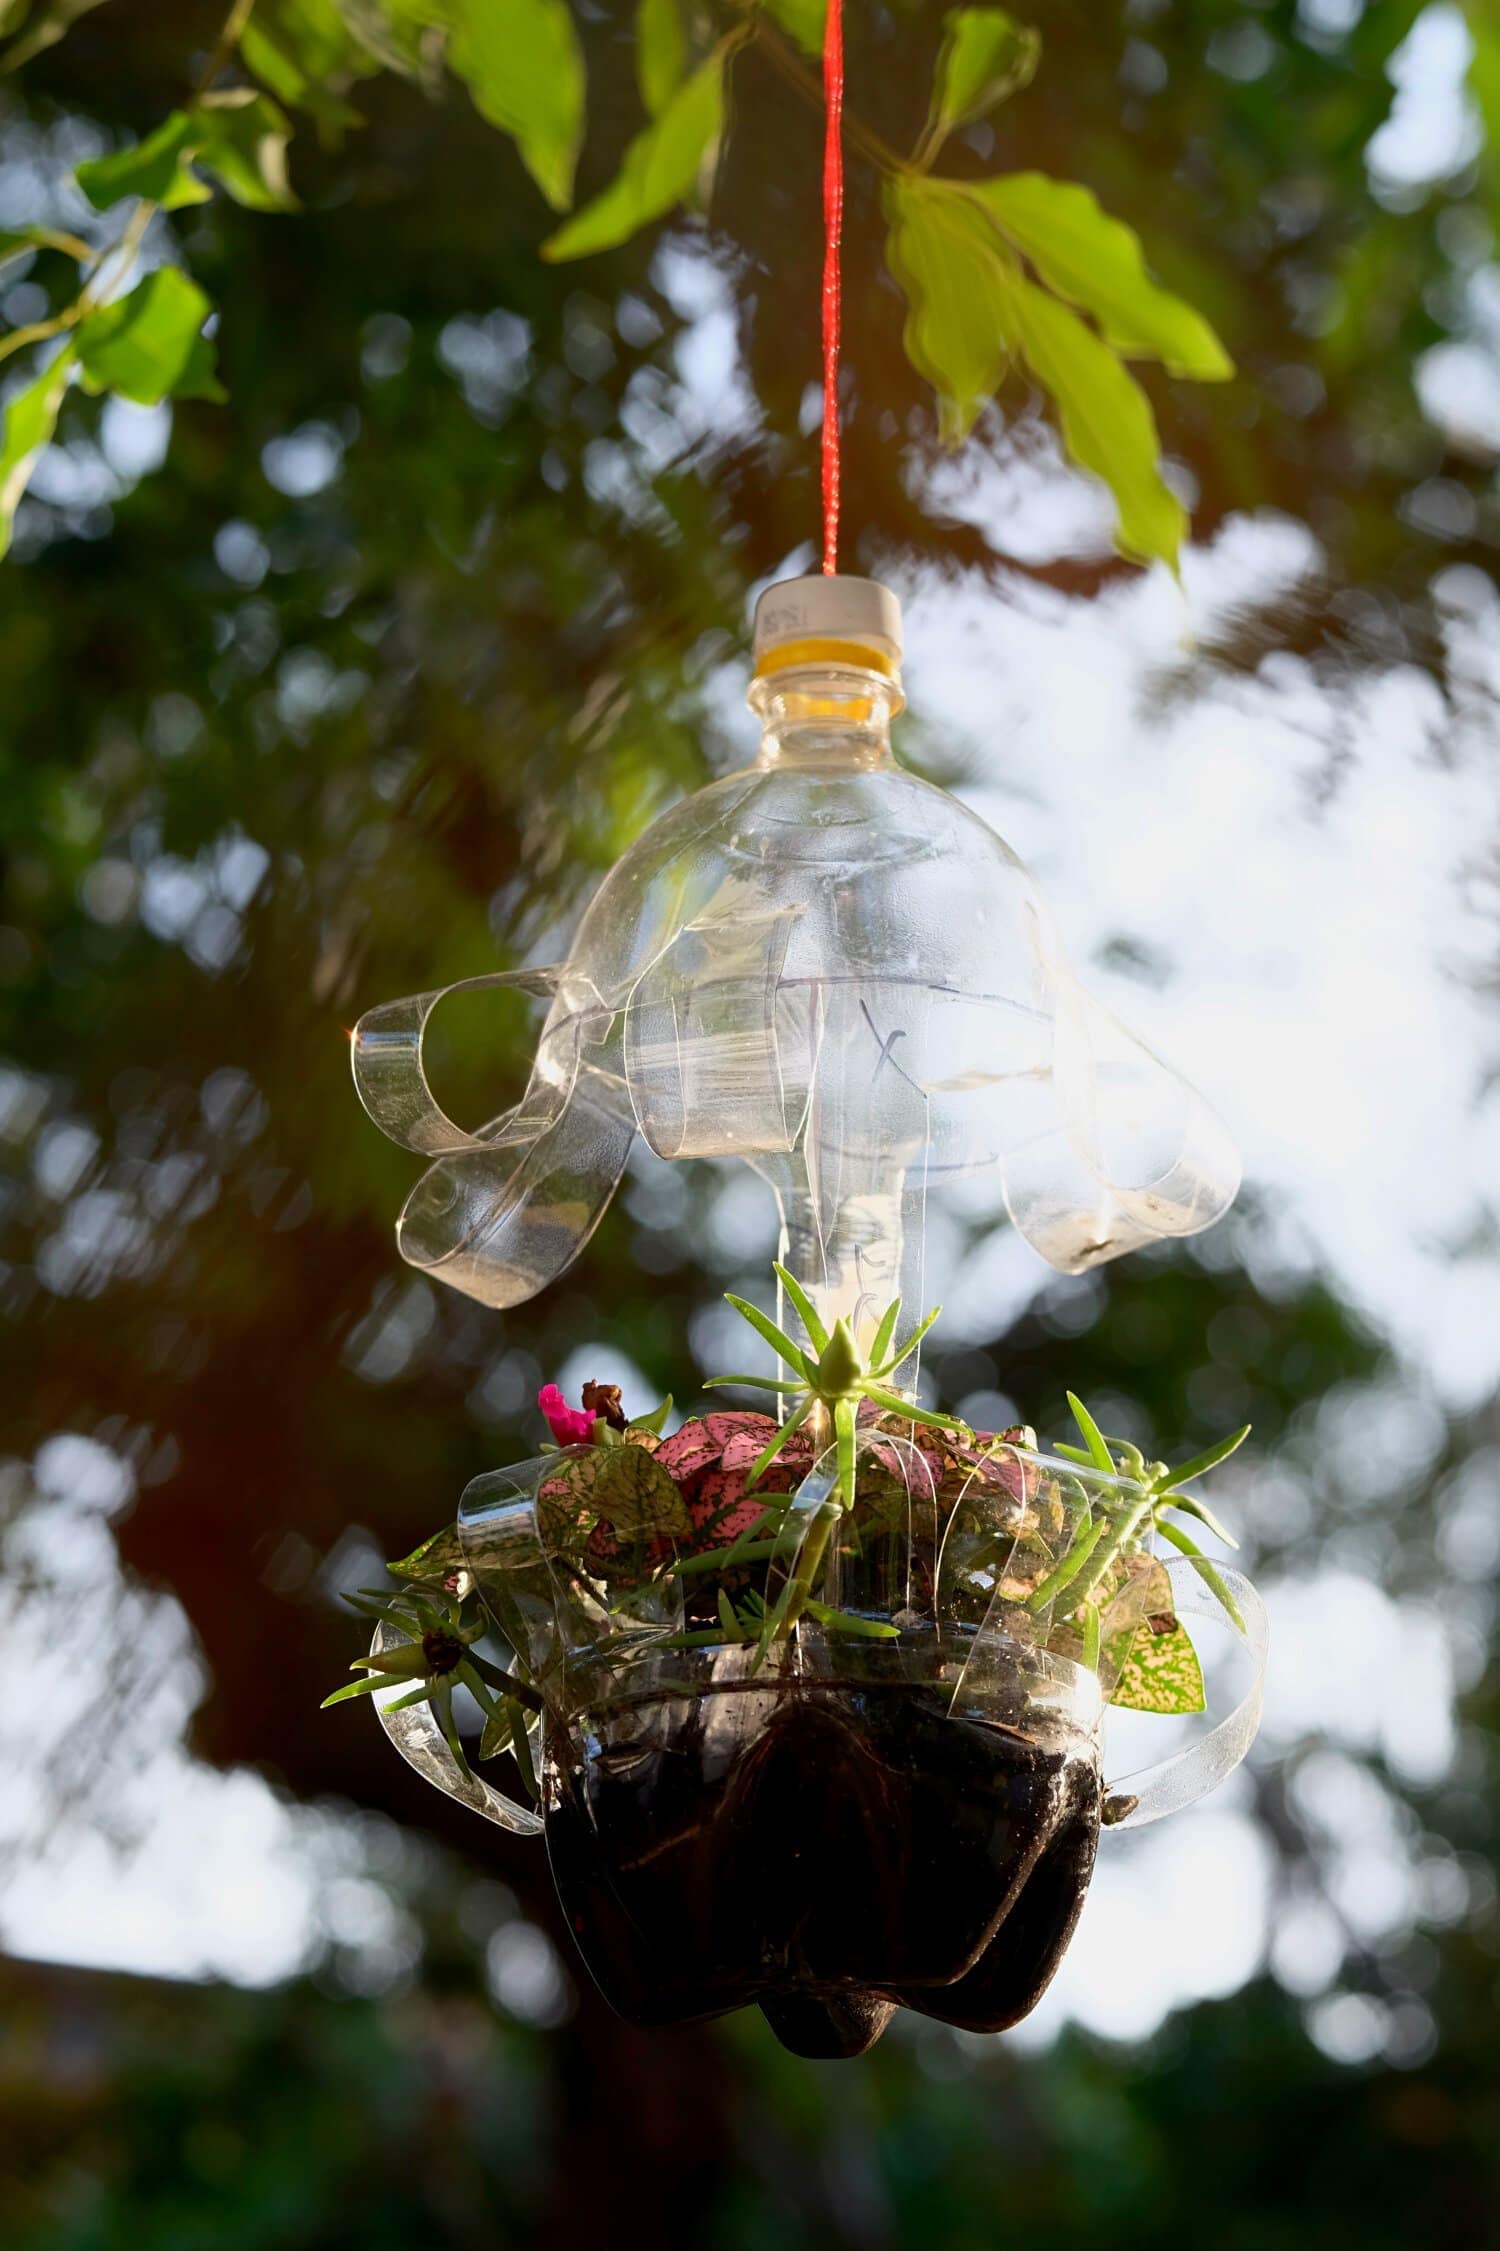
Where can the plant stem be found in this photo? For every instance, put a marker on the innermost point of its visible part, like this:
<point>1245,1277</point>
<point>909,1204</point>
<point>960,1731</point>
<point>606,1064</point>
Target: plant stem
<point>1106,1551</point>
<point>784,58</point>
<point>1188,1546</point>
<point>231,32</point>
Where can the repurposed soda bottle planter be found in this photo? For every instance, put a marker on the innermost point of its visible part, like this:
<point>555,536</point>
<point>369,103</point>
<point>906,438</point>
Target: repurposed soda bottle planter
<point>811,1708</point>
<point>811,1712</point>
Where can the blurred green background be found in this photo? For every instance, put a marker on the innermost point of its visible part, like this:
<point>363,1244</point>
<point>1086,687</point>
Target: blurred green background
<point>355,686</point>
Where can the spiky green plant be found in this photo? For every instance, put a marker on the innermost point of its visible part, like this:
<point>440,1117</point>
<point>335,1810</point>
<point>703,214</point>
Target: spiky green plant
<point>439,1618</point>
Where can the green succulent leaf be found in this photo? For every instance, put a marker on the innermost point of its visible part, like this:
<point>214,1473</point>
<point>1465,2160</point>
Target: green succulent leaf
<point>150,345</point>
<point>656,1421</point>
<point>1097,263</point>
<point>660,166</point>
<point>1161,1674</point>
<point>1093,1438</point>
<point>884,1337</point>
<point>366,1687</point>
<point>520,1743</point>
<point>1190,1505</point>
<point>26,426</point>
<point>660,52</point>
<point>912,1341</point>
<point>807,1313</point>
<point>781,1344</point>
<point>755,1383</point>
<point>850,1622</point>
<point>523,65</point>
<point>768,1453</point>
<point>986,57</point>
<point>1209,1459</point>
<point>1186,1545</point>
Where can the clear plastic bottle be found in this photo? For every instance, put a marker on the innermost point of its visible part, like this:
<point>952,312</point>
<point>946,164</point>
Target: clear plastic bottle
<point>835,971</point>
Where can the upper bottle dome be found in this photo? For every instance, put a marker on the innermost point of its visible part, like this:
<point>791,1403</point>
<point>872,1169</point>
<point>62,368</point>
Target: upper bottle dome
<point>832,969</point>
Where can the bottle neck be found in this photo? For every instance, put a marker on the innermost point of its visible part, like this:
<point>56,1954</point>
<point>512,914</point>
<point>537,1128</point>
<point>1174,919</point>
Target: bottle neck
<point>829,717</point>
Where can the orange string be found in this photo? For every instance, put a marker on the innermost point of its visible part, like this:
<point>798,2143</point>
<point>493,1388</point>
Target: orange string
<point>833,230</point>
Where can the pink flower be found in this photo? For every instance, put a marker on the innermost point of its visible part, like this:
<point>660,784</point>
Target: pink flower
<point>570,1426</point>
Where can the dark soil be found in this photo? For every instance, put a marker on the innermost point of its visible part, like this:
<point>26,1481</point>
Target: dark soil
<point>827,1848</point>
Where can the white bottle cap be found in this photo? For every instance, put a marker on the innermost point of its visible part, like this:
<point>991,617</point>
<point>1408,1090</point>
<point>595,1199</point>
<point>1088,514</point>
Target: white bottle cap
<point>812,620</point>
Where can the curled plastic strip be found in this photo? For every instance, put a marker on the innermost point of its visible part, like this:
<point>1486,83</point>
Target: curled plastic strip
<point>1130,1152</point>
<point>501,1213</point>
<point>419,1739</point>
<point>550,1612</point>
<point>1201,1590</point>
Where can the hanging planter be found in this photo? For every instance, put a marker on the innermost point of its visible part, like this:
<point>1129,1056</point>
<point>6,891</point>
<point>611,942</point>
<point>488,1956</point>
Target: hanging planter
<point>812,1712</point>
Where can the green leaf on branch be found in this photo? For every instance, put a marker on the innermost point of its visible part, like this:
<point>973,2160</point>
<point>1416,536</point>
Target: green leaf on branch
<point>660,167</point>
<point>26,426</point>
<point>970,307</point>
<point>948,261</point>
<point>804,20</point>
<point>986,57</point>
<point>240,136</point>
<point>150,345</point>
<point>156,168</point>
<point>522,63</point>
<point>660,52</point>
<point>1097,263</point>
<point>308,53</point>
<point>1106,418</point>
<point>1161,1674</point>
<point>53,21</point>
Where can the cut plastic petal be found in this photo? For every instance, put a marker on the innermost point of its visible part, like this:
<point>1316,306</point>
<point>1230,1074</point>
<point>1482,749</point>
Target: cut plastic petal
<point>390,1076</point>
<point>1130,1153</point>
<point>1200,1767</point>
<point>417,1736</point>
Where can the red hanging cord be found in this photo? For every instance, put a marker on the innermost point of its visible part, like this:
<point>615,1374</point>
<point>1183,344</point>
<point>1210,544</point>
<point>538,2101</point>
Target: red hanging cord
<point>833,230</point>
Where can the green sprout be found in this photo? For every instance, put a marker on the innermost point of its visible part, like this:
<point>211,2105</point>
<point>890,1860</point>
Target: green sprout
<point>831,1378</point>
<point>1100,1543</point>
<point>439,1621</point>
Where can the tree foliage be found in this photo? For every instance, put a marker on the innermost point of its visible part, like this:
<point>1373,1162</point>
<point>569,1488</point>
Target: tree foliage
<point>959,249</point>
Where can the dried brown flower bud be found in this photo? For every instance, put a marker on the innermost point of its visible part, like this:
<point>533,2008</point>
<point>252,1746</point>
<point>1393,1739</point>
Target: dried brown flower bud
<point>602,1400</point>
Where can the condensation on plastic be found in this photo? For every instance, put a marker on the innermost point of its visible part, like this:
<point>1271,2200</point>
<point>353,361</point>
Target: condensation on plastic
<point>838,973</point>
<point>419,1739</point>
